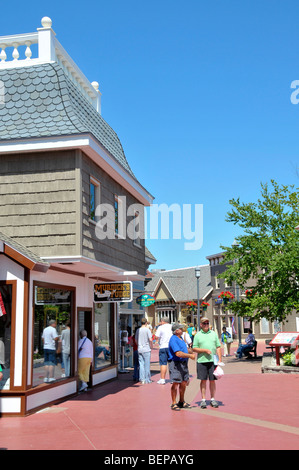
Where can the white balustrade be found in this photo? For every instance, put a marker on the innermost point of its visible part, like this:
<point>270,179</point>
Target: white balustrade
<point>49,50</point>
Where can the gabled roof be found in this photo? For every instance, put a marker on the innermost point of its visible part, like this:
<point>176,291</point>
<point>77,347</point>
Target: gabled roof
<point>21,254</point>
<point>182,283</point>
<point>41,101</point>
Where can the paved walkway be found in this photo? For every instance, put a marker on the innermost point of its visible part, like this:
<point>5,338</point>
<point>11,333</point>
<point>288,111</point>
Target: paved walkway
<point>257,411</point>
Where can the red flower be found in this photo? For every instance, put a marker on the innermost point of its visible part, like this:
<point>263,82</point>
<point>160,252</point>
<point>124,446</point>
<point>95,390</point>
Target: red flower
<point>226,295</point>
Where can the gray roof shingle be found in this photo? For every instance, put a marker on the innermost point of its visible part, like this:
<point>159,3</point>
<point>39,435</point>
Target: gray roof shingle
<point>182,283</point>
<point>23,250</point>
<point>41,101</point>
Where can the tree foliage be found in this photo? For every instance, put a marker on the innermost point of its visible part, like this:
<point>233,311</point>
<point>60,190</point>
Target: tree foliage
<point>267,254</point>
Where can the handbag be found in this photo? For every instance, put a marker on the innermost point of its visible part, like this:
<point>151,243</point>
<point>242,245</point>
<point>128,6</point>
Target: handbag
<point>229,340</point>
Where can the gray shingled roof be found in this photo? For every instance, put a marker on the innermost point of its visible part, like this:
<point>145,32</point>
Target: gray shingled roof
<point>182,283</point>
<point>41,101</point>
<point>23,250</point>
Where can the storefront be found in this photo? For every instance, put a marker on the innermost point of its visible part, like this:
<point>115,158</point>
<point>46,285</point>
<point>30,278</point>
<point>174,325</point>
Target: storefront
<point>33,293</point>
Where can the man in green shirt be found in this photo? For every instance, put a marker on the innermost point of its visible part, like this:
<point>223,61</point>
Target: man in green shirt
<point>206,343</point>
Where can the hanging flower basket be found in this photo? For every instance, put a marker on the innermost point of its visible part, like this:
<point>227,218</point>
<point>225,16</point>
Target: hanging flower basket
<point>191,305</point>
<point>205,305</point>
<point>226,296</point>
<point>249,293</point>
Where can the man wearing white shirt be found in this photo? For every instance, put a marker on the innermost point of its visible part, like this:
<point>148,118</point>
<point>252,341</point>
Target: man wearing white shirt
<point>163,333</point>
<point>49,337</point>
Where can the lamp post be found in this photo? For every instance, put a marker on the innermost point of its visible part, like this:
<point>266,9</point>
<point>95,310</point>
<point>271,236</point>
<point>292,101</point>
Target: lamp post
<point>197,275</point>
<point>236,244</point>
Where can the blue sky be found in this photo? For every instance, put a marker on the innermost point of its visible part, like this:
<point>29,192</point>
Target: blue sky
<point>198,93</point>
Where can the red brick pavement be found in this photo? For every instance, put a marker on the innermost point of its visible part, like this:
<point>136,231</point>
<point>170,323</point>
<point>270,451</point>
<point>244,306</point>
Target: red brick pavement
<point>256,411</point>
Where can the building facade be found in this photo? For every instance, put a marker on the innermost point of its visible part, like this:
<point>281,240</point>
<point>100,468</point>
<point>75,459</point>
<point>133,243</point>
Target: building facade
<point>263,329</point>
<point>174,290</point>
<point>71,213</point>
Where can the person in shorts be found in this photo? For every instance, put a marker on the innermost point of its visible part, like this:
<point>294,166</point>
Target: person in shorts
<point>163,333</point>
<point>50,337</point>
<point>178,367</point>
<point>206,343</point>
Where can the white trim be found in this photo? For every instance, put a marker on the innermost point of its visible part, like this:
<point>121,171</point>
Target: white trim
<point>92,268</point>
<point>89,145</point>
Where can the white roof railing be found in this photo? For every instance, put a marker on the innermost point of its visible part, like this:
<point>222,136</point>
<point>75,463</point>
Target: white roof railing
<point>49,50</point>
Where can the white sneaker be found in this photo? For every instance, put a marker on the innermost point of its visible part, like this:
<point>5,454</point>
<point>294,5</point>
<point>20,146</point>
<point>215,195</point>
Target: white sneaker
<point>83,387</point>
<point>51,379</point>
<point>46,379</point>
<point>161,382</point>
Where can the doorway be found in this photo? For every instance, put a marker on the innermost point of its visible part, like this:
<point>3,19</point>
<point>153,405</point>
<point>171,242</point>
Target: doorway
<point>85,323</point>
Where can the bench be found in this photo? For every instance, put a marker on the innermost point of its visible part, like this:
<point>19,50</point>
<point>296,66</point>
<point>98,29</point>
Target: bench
<point>267,341</point>
<point>252,350</point>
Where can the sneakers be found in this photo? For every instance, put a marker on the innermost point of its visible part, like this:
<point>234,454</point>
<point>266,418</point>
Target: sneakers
<point>83,387</point>
<point>161,382</point>
<point>214,403</point>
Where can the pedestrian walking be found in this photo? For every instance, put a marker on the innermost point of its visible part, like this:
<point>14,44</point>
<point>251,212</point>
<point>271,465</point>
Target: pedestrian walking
<point>85,355</point>
<point>178,367</point>
<point>144,340</point>
<point>163,333</point>
<point>206,344</point>
<point>226,340</point>
<point>66,348</point>
<point>49,338</point>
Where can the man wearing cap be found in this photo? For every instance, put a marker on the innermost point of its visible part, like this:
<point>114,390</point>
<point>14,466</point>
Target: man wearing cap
<point>206,343</point>
<point>163,333</point>
<point>178,367</point>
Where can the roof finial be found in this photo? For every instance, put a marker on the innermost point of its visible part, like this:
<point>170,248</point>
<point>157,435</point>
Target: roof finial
<point>46,22</point>
<point>95,85</point>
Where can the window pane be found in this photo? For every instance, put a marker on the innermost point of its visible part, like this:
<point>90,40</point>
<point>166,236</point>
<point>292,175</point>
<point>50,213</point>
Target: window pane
<point>52,357</point>
<point>102,335</point>
<point>265,326</point>
<point>92,208</point>
<point>116,214</point>
<point>5,335</point>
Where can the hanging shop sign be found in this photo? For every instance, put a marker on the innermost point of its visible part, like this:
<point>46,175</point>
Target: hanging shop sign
<point>113,292</point>
<point>145,300</point>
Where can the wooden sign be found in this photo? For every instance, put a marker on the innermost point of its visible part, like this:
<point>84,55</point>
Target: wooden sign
<point>113,292</point>
<point>145,300</point>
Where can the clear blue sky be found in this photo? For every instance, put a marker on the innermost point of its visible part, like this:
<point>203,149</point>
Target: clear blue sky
<point>198,93</point>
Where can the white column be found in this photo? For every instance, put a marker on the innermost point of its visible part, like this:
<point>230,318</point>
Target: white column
<point>46,41</point>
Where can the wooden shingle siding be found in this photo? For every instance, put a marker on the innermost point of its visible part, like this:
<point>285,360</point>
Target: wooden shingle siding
<point>116,252</point>
<point>38,201</point>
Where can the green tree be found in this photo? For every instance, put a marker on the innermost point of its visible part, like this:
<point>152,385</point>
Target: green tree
<point>268,252</point>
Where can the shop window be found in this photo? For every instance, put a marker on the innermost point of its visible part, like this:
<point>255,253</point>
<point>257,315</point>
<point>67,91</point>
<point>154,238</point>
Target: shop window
<point>247,324</point>
<point>264,326</point>
<point>53,352</point>
<point>94,198</point>
<point>5,333</point>
<point>102,335</point>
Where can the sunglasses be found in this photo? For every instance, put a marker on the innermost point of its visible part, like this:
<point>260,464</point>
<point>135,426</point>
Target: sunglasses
<point>206,323</point>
